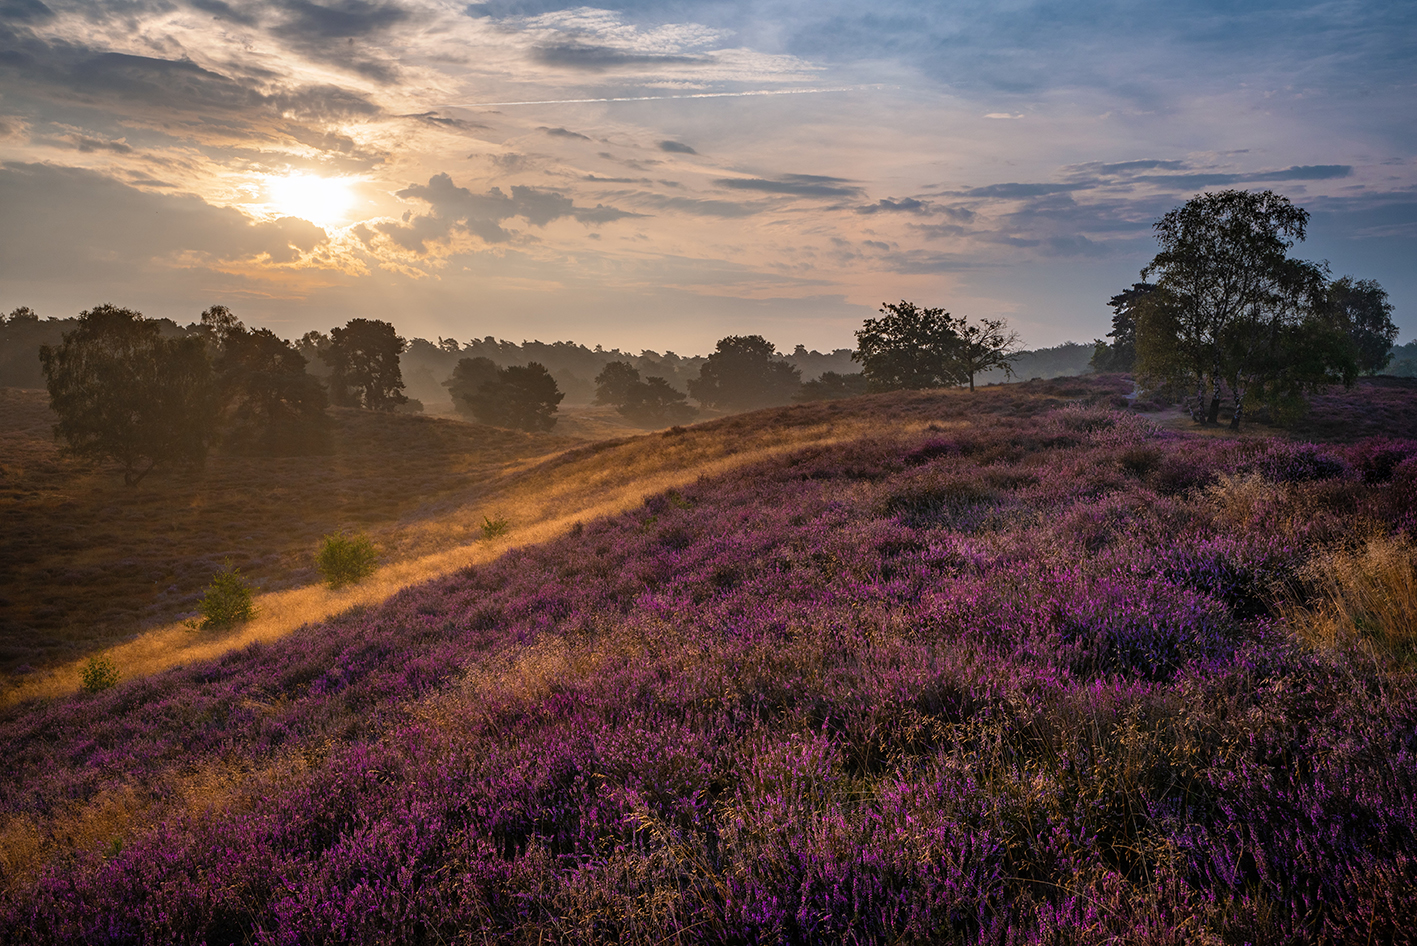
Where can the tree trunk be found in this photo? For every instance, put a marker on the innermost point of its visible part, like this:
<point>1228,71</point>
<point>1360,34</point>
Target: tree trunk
<point>971,381</point>
<point>130,480</point>
<point>1239,408</point>
<point>1212,416</point>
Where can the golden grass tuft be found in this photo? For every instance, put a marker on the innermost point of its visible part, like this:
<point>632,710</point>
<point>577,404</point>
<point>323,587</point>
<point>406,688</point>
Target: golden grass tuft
<point>1365,598</point>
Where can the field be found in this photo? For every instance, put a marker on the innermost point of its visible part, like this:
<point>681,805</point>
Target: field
<point>1018,667</point>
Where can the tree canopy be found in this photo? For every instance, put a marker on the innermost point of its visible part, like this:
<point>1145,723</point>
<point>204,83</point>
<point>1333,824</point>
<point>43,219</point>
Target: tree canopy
<point>270,404</point>
<point>364,365</point>
<point>520,397</point>
<point>743,373</point>
<point>122,392</point>
<point>1121,354</point>
<point>469,375</point>
<point>1360,308</point>
<point>1232,311</point>
<point>908,347</point>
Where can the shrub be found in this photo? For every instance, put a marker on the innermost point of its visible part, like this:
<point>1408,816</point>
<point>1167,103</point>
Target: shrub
<point>494,528</point>
<point>345,559</point>
<point>227,600</point>
<point>98,674</point>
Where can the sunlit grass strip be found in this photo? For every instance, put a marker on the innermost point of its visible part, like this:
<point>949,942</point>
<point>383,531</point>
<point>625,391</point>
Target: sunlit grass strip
<point>543,510</point>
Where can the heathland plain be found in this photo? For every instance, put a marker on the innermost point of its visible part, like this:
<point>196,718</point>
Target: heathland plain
<point>1017,666</point>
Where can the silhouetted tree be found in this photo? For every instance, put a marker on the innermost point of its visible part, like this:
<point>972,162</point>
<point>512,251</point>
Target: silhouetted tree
<point>270,404</point>
<point>524,398</point>
<point>122,392</point>
<point>364,365</point>
<point>742,374</point>
<point>1121,355</point>
<point>832,385</point>
<point>653,402</point>
<point>614,381</point>
<point>908,348</point>
<point>1231,293</point>
<point>988,343</point>
<point>469,375</point>
<point>1360,308</point>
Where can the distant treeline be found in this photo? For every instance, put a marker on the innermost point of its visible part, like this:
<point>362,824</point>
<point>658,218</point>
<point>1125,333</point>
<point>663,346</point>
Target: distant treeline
<point>427,364</point>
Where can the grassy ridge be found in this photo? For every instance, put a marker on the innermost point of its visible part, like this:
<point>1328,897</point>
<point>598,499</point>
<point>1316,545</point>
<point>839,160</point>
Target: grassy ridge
<point>1033,674</point>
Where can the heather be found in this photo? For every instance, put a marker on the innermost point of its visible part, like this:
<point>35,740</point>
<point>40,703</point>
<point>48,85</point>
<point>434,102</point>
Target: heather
<point>1044,675</point>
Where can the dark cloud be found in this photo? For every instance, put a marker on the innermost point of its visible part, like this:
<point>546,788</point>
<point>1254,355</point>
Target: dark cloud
<point>591,58</point>
<point>457,209</point>
<point>1075,245</point>
<point>1312,172</point>
<point>341,19</point>
<point>726,209</point>
<point>440,121</point>
<point>616,180</point>
<point>905,205</point>
<point>224,11</point>
<point>676,147</point>
<point>1010,191</point>
<point>87,145</point>
<point>563,133</point>
<point>797,185</point>
<point>110,231</point>
<point>24,11</point>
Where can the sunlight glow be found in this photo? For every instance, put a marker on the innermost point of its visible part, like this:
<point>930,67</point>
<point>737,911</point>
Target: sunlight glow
<point>323,201</point>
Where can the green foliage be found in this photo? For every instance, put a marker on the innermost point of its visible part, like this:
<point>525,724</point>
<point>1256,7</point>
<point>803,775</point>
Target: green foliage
<point>1121,354</point>
<point>1232,310</point>
<point>831,386</point>
<point>988,343</point>
<point>346,559</point>
<point>98,673</point>
<point>271,406</point>
<point>909,347</point>
<point>522,398</point>
<point>744,373</point>
<point>364,365</point>
<point>614,382</point>
<point>1360,308</point>
<point>469,376</point>
<point>227,600</point>
<point>494,528</point>
<point>123,392</point>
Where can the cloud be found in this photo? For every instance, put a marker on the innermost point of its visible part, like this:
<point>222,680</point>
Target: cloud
<point>112,231</point>
<point>905,205</point>
<point>1314,172</point>
<point>676,147</point>
<point>458,210</point>
<point>563,133</point>
<point>796,185</point>
<point>726,209</point>
<point>1014,190</point>
<point>589,58</point>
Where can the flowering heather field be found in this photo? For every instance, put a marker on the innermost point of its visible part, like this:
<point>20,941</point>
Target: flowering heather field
<point>1060,678</point>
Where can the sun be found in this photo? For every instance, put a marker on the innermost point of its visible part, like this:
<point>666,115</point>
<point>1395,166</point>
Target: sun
<point>323,201</point>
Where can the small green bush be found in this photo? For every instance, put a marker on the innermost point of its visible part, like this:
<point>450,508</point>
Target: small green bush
<point>494,528</point>
<point>345,559</point>
<point>227,600</point>
<point>98,674</point>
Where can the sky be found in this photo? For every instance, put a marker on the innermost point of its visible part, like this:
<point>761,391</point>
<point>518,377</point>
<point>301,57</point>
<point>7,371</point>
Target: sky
<point>657,175</point>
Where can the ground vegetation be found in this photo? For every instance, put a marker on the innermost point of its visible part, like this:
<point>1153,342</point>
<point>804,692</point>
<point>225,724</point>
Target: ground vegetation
<point>993,668</point>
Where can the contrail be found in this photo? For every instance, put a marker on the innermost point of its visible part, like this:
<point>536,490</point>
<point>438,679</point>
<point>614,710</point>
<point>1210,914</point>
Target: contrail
<point>654,98</point>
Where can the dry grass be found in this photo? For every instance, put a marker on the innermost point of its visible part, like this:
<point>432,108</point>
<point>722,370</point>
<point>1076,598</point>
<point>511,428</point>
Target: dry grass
<point>1365,598</point>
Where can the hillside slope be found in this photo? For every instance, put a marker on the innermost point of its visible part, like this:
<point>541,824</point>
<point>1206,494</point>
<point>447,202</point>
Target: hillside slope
<point>1044,673</point>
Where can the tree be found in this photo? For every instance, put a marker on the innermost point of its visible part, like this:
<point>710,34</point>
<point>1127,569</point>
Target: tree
<point>831,385</point>
<point>270,404</point>
<point>984,345</point>
<point>614,381</point>
<point>1230,295</point>
<point>124,393</point>
<point>1121,355</point>
<point>653,402</point>
<point>469,375</point>
<point>742,374</point>
<point>364,365</point>
<point>908,348</point>
<point>1360,308</point>
<point>524,398</point>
